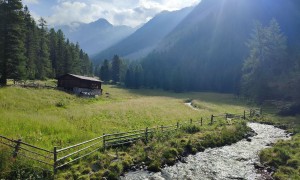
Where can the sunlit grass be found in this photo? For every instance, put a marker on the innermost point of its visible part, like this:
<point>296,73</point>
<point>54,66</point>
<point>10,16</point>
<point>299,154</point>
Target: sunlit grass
<point>48,118</point>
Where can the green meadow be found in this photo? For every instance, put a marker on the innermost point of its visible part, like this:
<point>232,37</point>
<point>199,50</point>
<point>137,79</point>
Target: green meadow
<point>48,118</point>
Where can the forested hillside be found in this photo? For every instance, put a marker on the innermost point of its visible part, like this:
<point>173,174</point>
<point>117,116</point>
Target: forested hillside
<point>29,50</point>
<point>207,50</point>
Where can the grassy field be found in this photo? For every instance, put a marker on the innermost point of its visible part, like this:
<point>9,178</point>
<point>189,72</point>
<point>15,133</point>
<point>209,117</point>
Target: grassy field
<point>50,118</point>
<point>47,118</point>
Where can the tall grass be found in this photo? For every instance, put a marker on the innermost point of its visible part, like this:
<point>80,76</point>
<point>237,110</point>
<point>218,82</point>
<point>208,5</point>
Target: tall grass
<point>46,117</point>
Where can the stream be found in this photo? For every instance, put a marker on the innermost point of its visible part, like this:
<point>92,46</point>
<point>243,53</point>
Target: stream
<point>235,161</point>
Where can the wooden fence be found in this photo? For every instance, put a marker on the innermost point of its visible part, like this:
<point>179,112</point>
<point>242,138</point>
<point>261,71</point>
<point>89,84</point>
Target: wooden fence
<point>28,151</point>
<point>58,158</point>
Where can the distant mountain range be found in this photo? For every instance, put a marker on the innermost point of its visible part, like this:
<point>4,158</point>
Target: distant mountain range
<point>96,36</point>
<point>145,39</point>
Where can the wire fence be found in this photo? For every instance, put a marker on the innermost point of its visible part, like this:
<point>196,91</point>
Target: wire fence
<point>56,159</point>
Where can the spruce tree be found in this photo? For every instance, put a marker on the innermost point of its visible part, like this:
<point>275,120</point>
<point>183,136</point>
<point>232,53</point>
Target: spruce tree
<point>264,64</point>
<point>53,50</point>
<point>60,54</point>
<point>31,44</point>
<point>138,76</point>
<point>116,69</point>
<point>43,63</point>
<point>105,71</point>
<point>12,41</point>
<point>128,78</point>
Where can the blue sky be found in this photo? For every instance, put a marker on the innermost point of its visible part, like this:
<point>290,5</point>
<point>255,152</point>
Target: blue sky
<point>117,12</point>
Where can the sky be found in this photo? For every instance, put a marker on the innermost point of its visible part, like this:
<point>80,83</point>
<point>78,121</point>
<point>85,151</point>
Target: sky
<point>118,12</point>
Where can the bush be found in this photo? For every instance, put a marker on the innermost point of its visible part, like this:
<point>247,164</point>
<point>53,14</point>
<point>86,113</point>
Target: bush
<point>294,163</point>
<point>154,166</point>
<point>285,172</point>
<point>170,156</point>
<point>61,104</point>
<point>116,167</point>
<point>191,129</point>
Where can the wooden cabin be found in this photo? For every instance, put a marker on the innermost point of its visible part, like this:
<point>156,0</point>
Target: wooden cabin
<point>80,85</point>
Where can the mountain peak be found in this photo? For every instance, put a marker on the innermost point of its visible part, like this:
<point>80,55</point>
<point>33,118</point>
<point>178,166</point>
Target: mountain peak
<point>101,23</point>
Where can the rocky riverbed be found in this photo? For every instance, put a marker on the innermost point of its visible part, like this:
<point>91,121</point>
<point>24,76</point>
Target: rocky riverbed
<point>236,161</point>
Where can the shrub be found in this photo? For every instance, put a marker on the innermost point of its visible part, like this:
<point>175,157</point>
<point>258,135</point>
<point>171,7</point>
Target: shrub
<point>116,167</point>
<point>61,104</point>
<point>191,129</point>
<point>294,163</point>
<point>285,172</point>
<point>170,156</point>
<point>154,166</point>
<point>84,177</point>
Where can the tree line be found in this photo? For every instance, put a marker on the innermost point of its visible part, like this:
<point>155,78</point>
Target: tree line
<point>29,50</point>
<point>122,71</point>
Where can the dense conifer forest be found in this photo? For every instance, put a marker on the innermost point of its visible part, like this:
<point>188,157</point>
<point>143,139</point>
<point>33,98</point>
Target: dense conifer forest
<point>30,50</point>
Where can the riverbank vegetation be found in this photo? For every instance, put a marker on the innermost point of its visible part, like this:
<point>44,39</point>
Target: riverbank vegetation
<point>283,158</point>
<point>162,149</point>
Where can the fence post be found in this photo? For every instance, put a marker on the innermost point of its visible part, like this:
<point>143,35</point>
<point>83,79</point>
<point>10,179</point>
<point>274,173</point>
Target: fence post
<point>191,121</point>
<point>104,142</point>
<point>146,135</point>
<point>177,125</point>
<point>244,117</point>
<point>54,160</point>
<point>162,128</point>
<point>17,148</point>
<point>212,119</point>
<point>201,121</point>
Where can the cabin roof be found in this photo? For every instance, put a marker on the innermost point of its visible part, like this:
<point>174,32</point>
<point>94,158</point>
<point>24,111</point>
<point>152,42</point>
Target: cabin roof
<point>82,77</point>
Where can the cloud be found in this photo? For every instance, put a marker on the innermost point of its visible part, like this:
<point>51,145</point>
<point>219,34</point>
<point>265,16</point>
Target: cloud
<point>31,1</point>
<point>117,12</point>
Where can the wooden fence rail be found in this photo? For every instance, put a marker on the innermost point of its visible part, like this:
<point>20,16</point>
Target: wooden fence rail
<point>28,151</point>
<point>58,158</point>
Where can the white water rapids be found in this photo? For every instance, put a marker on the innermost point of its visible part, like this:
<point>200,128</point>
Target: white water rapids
<point>228,162</point>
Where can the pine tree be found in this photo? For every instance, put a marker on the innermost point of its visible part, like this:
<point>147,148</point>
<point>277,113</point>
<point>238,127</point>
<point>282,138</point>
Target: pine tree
<point>60,54</point>
<point>86,65</point>
<point>43,63</point>
<point>116,69</point>
<point>105,71</point>
<point>12,41</point>
<point>52,50</point>
<point>264,65</point>
<point>31,44</point>
<point>128,79</point>
<point>138,76</point>
<point>76,65</point>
